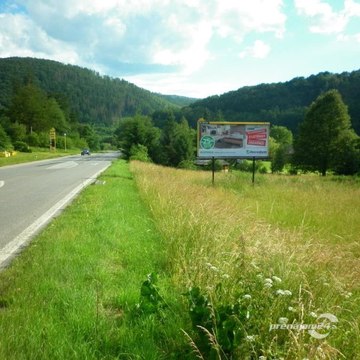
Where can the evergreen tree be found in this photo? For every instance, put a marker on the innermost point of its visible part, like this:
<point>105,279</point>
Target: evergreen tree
<point>323,133</point>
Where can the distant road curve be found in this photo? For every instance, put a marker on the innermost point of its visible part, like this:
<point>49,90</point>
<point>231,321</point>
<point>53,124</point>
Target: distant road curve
<point>32,194</point>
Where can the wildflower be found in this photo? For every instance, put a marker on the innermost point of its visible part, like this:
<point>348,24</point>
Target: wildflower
<point>290,308</point>
<point>225,276</point>
<point>268,280</point>
<point>247,296</point>
<point>214,268</point>
<point>259,276</point>
<point>312,314</point>
<point>287,293</point>
<point>280,292</point>
<point>268,285</point>
<point>347,295</point>
<point>283,320</point>
<point>262,357</point>
<point>250,338</point>
<point>276,279</point>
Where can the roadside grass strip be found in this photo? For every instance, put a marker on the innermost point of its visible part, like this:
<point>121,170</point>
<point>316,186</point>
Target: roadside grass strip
<point>156,263</point>
<point>74,292</point>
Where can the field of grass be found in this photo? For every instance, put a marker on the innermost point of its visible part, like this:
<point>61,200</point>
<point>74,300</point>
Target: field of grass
<point>239,269</point>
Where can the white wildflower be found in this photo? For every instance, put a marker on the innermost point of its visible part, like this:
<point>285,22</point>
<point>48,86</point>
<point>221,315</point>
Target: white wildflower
<point>262,357</point>
<point>268,280</point>
<point>276,279</point>
<point>287,293</point>
<point>347,295</point>
<point>250,338</point>
<point>290,308</point>
<point>280,292</point>
<point>225,276</point>
<point>214,268</point>
<point>268,285</point>
<point>247,296</point>
<point>283,320</point>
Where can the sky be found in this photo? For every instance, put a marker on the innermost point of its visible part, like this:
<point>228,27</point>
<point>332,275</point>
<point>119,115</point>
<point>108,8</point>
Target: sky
<point>194,48</point>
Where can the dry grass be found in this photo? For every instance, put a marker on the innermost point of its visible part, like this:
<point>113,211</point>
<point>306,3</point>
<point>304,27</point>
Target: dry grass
<point>284,227</point>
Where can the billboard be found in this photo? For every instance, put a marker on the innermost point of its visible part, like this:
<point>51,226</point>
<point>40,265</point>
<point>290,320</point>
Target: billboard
<point>233,139</point>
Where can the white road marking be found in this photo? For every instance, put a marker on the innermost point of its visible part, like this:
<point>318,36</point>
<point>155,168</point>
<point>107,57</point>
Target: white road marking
<point>12,248</point>
<point>2,183</point>
<point>63,165</point>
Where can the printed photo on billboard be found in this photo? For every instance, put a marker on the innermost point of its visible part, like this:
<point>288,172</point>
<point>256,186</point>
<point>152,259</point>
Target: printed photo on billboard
<point>238,140</point>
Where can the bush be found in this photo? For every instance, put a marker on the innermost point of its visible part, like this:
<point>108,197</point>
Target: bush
<point>139,152</point>
<point>22,146</point>
<point>187,164</point>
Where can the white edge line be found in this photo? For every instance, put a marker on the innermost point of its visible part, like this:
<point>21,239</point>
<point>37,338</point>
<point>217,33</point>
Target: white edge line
<point>11,249</point>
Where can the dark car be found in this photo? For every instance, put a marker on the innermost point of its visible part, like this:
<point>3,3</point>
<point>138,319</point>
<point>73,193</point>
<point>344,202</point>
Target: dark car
<point>85,152</point>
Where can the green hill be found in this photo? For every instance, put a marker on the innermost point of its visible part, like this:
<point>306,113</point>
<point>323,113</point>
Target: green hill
<point>280,103</point>
<point>91,97</point>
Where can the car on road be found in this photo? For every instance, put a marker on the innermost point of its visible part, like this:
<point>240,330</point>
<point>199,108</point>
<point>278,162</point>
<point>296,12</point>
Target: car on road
<point>85,152</point>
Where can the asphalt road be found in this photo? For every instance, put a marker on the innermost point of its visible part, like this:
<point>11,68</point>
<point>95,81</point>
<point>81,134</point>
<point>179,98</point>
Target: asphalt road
<point>32,194</point>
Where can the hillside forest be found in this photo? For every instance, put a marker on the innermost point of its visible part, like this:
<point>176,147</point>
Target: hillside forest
<point>314,121</point>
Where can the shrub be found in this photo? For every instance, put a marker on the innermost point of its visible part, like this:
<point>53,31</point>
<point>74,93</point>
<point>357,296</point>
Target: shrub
<point>22,146</point>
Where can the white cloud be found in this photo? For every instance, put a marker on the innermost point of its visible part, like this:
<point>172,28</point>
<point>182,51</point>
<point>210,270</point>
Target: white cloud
<point>165,32</point>
<point>19,36</point>
<point>236,18</point>
<point>324,19</point>
<point>258,50</point>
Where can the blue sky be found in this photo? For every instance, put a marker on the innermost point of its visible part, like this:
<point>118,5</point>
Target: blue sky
<point>193,48</point>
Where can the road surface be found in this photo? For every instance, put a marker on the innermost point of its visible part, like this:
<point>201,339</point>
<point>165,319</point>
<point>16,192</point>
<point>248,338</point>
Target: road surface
<point>32,194</point>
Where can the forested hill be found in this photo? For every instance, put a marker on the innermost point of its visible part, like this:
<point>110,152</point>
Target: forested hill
<point>280,103</point>
<point>92,98</point>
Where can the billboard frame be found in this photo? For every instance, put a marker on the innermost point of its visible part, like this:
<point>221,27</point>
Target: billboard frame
<point>260,141</point>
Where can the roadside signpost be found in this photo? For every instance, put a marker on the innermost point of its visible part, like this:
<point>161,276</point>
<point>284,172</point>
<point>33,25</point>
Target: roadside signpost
<point>239,140</point>
<point>52,136</point>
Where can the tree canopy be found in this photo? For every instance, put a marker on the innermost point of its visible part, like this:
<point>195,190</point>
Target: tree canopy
<point>325,136</point>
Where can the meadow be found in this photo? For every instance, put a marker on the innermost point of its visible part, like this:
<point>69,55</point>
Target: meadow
<point>156,263</point>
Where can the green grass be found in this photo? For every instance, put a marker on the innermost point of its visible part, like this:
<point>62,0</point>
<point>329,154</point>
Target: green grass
<point>72,293</point>
<point>35,155</point>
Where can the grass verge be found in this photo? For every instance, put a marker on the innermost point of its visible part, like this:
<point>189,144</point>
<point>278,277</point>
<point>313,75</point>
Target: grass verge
<point>35,155</point>
<point>72,294</point>
<point>236,265</point>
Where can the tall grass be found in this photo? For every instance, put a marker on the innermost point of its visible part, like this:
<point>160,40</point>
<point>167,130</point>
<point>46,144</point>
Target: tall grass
<point>278,249</point>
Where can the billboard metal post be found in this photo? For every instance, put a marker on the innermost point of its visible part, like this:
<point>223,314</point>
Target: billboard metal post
<point>213,170</point>
<point>253,170</point>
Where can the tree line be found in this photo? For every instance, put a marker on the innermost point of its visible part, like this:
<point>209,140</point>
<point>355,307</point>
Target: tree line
<point>30,116</point>
<point>325,141</point>
<point>282,104</point>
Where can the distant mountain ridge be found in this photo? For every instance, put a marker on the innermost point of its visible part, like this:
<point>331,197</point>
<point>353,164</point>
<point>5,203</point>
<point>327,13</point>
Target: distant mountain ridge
<point>280,103</point>
<point>93,98</point>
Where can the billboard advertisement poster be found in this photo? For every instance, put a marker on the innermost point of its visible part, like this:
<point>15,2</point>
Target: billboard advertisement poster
<point>233,139</point>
